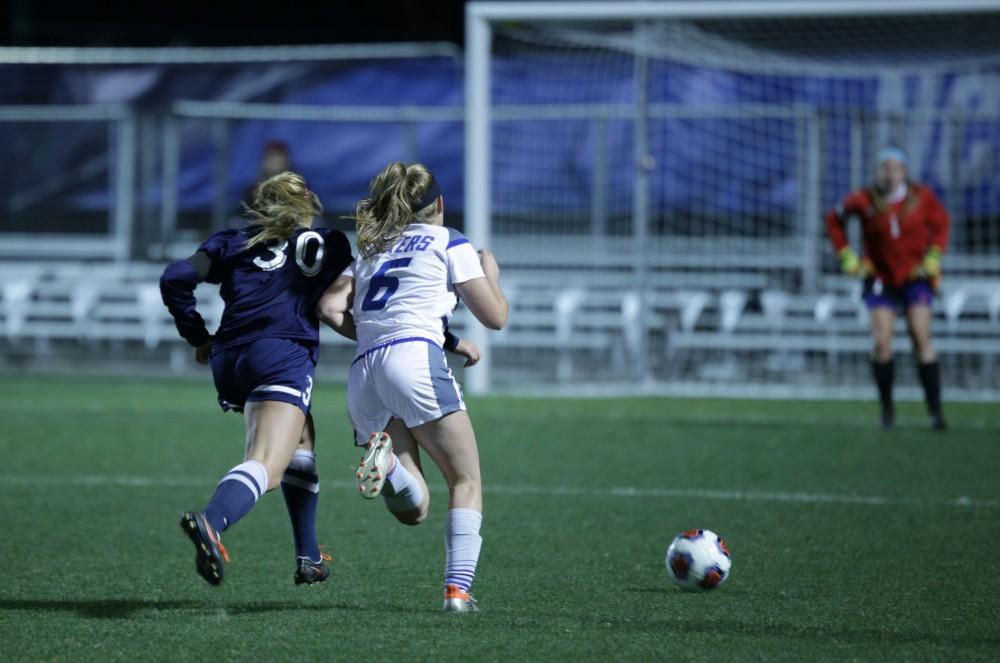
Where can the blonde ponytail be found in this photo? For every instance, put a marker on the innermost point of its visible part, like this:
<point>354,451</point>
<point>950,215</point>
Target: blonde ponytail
<point>281,205</point>
<point>382,216</point>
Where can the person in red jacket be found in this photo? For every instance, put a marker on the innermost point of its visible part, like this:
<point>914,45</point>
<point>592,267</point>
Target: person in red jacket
<point>904,231</point>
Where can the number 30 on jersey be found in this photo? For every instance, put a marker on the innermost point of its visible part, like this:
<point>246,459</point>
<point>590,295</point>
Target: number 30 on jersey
<point>309,265</point>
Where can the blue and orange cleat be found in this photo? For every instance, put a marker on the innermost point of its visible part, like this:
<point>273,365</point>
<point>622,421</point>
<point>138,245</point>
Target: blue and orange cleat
<point>308,572</point>
<point>209,551</point>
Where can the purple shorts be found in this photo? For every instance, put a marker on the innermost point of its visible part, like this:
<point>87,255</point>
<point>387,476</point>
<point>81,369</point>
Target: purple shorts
<point>914,293</point>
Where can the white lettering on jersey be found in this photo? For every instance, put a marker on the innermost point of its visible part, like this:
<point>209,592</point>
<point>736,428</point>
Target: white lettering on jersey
<point>277,262</point>
<point>301,254</point>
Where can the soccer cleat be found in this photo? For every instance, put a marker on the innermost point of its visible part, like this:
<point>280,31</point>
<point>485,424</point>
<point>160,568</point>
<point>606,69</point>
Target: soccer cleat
<point>457,599</point>
<point>375,465</point>
<point>209,551</point>
<point>938,423</point>
<point>308,572</point>
<point>888,419</point>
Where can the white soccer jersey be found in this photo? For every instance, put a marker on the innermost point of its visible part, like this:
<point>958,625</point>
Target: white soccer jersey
<point>408,290</point>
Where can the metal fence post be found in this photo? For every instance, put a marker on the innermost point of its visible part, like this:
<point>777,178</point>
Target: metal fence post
<point>810,135</point>
<point>220,174</point>
<point>477,164</point>
<point>599,184</point>
<point>644,162</point>
<point>168,184</point>
<point>124,186</point>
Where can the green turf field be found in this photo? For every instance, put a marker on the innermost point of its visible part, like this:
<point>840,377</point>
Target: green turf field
<point>848,543</point>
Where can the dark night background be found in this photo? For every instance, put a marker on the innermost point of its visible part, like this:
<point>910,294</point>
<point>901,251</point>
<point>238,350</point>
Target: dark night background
<point>226,23</point>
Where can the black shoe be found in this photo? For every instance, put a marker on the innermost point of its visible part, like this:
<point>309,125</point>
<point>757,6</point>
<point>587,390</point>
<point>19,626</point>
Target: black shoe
<point>888,419</point>
<point>938,423</point>
<point>209,551</point>
<point>308,572</point>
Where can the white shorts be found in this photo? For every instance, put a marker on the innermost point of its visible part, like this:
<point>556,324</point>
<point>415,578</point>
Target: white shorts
<point>408,379</point>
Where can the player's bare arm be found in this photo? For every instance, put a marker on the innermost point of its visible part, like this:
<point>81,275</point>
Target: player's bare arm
<point>484,296</point>
<point>334,307</point>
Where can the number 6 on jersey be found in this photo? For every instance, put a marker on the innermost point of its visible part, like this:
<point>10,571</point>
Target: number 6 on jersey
<point>379,281</point>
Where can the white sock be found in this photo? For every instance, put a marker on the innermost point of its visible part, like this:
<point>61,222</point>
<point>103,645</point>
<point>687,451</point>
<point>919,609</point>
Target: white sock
<point>402,490</point>
<point>461,547</point>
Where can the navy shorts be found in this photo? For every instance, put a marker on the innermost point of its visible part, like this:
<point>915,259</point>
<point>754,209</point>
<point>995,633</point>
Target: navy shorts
<point>878,295</point>
<point>268,369</point>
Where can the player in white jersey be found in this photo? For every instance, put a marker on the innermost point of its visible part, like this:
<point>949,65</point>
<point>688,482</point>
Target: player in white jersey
<point>396,300</point>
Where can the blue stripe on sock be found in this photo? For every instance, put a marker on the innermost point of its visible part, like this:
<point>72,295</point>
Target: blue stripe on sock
<point>460,583</point>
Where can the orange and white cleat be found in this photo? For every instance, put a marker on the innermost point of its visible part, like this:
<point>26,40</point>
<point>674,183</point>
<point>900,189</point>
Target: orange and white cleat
<point>375,465</point>
<point>457,599</point>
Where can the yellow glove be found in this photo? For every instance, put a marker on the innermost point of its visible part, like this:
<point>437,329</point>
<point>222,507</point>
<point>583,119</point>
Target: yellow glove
<point>930,266</point>
<point>852,265</point>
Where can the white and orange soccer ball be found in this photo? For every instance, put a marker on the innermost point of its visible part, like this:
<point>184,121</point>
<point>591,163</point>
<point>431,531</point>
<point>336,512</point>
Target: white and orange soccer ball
<point>698,560</point>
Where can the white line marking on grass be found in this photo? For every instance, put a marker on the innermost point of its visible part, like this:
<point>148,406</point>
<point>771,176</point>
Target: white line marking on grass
<point>121,481</point>
<point>915,422</point>
<point>100,480</point>
<point>738,495</point>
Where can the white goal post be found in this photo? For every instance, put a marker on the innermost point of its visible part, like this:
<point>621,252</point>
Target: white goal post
<point>483,19</point>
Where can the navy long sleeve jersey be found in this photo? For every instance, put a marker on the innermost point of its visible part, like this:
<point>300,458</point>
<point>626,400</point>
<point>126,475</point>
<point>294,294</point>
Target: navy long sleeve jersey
<point>269,290</point>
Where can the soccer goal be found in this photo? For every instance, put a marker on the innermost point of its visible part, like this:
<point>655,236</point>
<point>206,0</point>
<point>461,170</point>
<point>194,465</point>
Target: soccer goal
<point>653,177</point>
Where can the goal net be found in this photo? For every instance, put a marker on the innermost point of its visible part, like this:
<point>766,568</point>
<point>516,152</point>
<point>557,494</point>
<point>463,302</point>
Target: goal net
<point>655,178</point>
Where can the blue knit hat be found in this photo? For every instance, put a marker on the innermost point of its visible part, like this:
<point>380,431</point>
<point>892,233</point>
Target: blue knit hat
<point>890,152</point>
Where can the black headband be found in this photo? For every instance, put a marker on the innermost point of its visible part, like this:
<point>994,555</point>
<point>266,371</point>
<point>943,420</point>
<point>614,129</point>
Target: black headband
<point>428,197</point>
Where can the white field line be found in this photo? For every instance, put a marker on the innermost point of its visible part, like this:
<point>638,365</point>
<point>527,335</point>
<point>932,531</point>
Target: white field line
<point>120,481</point>
<point>846,422</point>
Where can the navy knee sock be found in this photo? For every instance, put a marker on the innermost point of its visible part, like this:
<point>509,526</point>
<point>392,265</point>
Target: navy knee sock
<point>236,494</point>
<point>300,487</point>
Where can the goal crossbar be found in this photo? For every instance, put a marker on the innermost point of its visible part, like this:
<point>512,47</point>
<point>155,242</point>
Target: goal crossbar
<point>602,11</point>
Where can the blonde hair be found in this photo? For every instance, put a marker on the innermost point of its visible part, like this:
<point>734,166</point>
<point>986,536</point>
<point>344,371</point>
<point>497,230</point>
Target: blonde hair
<point>281,205</point>
<point>382,216</point>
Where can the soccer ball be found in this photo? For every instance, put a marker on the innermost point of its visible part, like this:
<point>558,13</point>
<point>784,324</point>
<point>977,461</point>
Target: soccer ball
<point>698,560</point>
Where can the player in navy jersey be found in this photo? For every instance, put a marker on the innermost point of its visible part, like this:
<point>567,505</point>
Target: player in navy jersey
<point>263,358</point>
<point>396,299</point>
